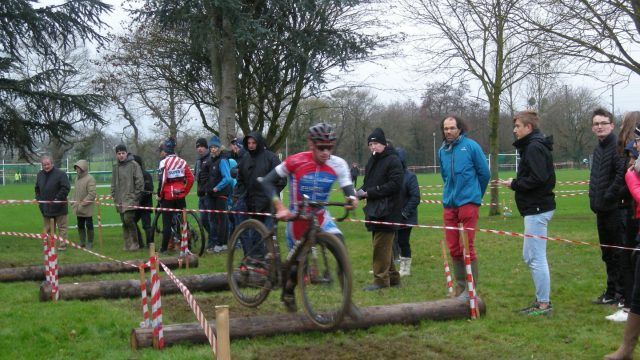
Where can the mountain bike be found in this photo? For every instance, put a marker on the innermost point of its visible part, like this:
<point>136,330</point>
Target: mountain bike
<point>195,232</point>
<point>323,270</point>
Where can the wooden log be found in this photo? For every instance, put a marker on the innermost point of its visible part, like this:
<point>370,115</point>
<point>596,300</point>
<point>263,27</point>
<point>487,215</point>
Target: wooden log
<point>411,313</point>
<point>131,288</point>
<point>28,273</point>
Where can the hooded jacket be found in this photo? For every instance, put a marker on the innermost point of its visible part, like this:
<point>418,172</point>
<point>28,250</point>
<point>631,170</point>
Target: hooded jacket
<point>409,194</point>
<point>127,184</point>
<point>383,178</point>
<point>464,171</point>
<point>607,176</point>
<point>52,185</point>
<point>84,195</point>
<point>254,164</point>
<point>536,176</point>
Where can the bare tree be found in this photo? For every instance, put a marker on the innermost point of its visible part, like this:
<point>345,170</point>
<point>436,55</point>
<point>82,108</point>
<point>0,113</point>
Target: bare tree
<point>476,39</point>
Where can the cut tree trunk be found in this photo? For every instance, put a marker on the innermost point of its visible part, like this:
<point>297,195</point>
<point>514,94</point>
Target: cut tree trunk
<point>131,288</point>
<point>36,272</point>
<point>446,309</point>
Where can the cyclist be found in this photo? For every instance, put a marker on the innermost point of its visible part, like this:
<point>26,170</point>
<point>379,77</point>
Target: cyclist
<point>312,174</point>
<point>175,182</point>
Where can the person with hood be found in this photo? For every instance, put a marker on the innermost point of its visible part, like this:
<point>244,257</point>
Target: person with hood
<point>248,195</point>
<point>465,175</point>
<point>381,187</point>
<point>83,200</point>
<point>127,184</point>
<point>146,200</point>
<point>409,200</point>
<point>218,190</point>
<point>175,180</point>
<point>52,188</point>
<point>536,202</point>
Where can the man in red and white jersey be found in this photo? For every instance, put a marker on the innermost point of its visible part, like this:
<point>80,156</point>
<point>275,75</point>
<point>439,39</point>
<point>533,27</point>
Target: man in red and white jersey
<point>175,181</point>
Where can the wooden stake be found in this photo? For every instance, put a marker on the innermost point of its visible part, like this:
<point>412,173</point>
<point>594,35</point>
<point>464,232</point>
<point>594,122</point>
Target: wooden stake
<point>222,333</point>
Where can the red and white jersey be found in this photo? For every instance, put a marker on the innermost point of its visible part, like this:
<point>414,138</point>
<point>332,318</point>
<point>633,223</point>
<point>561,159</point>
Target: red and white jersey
<point>175,178</point>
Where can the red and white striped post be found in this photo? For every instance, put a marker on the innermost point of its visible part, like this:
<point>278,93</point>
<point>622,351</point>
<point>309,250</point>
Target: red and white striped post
<point>53,262</point>
<point>146,323</point>
<point>47,271</point>
<point>156,303</point>
<point>184,241</point>
<point>447,270</point>
<point>467,265</point>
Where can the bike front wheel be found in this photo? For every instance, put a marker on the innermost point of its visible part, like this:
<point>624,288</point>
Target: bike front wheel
<point>250,262</point>
<point>324,281</point>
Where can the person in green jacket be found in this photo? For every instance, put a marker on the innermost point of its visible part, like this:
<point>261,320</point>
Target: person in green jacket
<point>83,202</point>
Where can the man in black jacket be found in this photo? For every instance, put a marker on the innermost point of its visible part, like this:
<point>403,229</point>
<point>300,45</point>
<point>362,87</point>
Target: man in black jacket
<point>201,173</point>
<point>248,194</point>
<point>605,183</point>
<point>52,188</point>
<point>536,202</point>
<point>381,187</point>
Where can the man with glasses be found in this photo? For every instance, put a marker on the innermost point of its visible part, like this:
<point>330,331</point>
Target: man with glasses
<point>605,183</point>
<point>312,174</point>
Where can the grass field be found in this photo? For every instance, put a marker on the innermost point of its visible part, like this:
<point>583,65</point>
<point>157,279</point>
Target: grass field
<point>100,329</point>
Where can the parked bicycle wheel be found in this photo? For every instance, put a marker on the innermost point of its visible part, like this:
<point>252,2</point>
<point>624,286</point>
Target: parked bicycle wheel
<point>156,230</point>
<point>248,267</point>
<point>324,281</point>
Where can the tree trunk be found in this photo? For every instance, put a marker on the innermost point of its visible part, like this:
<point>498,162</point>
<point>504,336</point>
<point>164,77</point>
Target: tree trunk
<point>131,288</point>
<point>494,122</point>
<point>36,272</point>
<point>228,96</point>
<point>241,327</point>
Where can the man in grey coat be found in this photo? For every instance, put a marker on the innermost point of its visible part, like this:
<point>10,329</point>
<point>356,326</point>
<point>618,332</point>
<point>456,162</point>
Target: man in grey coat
<point>52,188</point>
<point>127,184</point>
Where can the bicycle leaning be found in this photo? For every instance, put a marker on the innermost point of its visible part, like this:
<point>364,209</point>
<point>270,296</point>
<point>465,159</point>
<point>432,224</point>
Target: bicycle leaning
<point>195,232</point>
<point>323,270</point>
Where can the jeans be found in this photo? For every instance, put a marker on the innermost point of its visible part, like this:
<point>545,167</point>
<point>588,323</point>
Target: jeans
<point>534,253</point>
<point>218,227</point>
<point>204,216</point>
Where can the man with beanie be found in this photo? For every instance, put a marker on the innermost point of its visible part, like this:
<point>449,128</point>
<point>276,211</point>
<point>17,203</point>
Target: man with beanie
<point>127,184</point>
<point>383,178</point>
<point>605,184</point>
<point>536,202</point>
<point>466,175</point>
<point>237,149</point>
<point>174,183</point>
<point>248,194</point>
<point>52,188</point>
<point>202,176</point>
<point>218,191</point>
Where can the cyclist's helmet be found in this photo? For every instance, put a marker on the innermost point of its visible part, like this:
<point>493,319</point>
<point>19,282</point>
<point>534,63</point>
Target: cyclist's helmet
<point>322,133</point>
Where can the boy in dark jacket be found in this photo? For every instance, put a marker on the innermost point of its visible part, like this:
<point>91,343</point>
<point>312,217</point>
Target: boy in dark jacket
<point>605,182</point>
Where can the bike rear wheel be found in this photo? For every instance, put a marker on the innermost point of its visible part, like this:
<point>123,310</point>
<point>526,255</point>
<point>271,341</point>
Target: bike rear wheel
<point>250,262</point>
<point>196,235</point>
<point>324,281</point>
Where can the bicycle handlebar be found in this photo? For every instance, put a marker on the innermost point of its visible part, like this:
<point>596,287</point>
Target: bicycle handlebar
<point>320,204</point>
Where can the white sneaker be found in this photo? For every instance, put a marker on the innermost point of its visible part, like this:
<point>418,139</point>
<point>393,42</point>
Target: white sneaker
<point>219,249</point>
<point>619,316</point>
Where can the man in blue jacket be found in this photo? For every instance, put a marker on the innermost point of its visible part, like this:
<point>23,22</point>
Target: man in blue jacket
<point>466,175</point>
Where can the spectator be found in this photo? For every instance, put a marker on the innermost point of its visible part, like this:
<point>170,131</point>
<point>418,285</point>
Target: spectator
<point>605,184</point>
<point>175,180</point>
<point>52,188</point>
<point>146,201</point>
<point>127,184</point>
<point>466,175</point>
<point>625,148</point>
<point>202,177</point>
<point>248,194</point>
<point>381,187</point>
<point>355,171</point>
<point>218,190</point>
<point>410,199</point>
<point>83,199</point>
<point>536,202</point>
<point>237,149</point>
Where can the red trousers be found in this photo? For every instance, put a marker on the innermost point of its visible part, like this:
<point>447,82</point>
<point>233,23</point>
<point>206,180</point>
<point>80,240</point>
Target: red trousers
<point>468,216</point>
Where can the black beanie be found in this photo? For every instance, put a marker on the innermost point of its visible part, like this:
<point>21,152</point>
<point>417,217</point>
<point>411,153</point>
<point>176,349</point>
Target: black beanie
<point>377,135</point>
<point>121,147</point>
<point>202,142</point>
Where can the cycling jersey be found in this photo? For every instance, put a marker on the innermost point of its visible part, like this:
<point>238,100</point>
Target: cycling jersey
<point>306,177</point>
<point>175,178</point>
